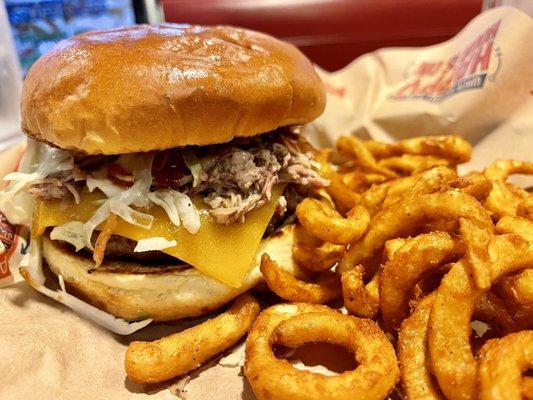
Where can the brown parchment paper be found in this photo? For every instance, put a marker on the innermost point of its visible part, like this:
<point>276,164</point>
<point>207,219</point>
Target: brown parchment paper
<point>479,84</point>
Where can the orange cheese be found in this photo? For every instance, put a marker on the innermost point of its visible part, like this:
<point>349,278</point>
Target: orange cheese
<point>225,252</point>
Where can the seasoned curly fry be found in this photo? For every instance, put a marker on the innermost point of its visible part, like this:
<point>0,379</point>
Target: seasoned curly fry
<point>406,267</point>
<point>344,198</point>
<point>493,311</point>
<point>501,364</point>
<point>360,181</point>
<point>525,208</point>
<point>474,184</point>
<point>409,164</point>
<point>431,181</point>
<point>412,354</point>
<point>476,239</point>
<point>317,258</point>
<point>294,325</point>
<point>517,290</point>
<point>177,354</point>
<point>450,147</point>
<point>373,198</point>
<point>449,343</point>
<point>286,286</point>
<point>504,198</point>
<point>401,219</point>
<point>353,148</point>
<point>327,224</point>
<point>517,225</point>
<point>360,299</point>
<point>527,387</point>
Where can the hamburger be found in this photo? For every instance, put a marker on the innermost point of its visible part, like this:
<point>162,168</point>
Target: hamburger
<point>161,162</point>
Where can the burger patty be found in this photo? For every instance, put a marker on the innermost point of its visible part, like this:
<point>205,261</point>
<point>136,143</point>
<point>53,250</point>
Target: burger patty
<point>121,248</point>
<point>122,259</point>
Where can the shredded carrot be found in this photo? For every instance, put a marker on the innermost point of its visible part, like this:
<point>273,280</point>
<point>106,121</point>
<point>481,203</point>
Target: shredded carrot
<point>103,238</point>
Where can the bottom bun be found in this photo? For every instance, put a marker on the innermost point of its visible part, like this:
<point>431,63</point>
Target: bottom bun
<point>166,296</point>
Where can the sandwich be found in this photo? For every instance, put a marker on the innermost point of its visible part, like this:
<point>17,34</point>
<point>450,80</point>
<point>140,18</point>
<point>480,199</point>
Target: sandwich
<point>161,162</point>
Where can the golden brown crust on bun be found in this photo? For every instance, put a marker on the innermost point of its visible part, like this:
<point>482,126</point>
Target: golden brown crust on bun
<point>150,88</point>
<point>161,296</point>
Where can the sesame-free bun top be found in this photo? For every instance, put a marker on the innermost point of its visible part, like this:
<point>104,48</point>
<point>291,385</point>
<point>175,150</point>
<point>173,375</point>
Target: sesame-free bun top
<point>156,87</point>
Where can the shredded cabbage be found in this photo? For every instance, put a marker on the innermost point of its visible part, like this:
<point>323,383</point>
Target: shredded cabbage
<point>195,166</point>
<point>154,243</point>
<point>105,185</point>
<point>130,215</point>
<point>32,264</point>
<point>119,203</point>
<point>166,201</point>
<point>19,182</point>
<point>179,208</point>
<point>2,247</point>
<point>70,232</point>
<point>39,161</point>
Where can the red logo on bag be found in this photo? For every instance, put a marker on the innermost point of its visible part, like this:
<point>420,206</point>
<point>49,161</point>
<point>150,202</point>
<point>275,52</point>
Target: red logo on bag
<point>8,236</point>
<point>436,80</point>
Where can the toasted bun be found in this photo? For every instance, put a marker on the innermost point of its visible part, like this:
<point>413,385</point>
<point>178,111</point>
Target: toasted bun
<point>161,296</point>
<point>150,88</point>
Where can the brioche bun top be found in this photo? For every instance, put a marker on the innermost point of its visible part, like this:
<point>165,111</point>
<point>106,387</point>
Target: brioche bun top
<point>149,88</point>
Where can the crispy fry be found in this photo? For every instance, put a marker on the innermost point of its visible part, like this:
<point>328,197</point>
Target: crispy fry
<point>517,290</point>
<point>359,181</point>
<point>452,360</point>
<point>407,266</point>
<point>392,246</point>
<point>344,198</point>
<point>317,258</point>
<point>360,299</point>
<point>431,181</point>
<point>450,147</point>
<point>501,365</point>
<point>517,225</point>
<point>474,184</point>
<point>352,147</point>
<point>523,317</point>
<point>493,311</point>
<point>525,208</point>
<point>177,354</point>
<point>373,198</point>
<point>408,164</point>
<point>527,388</point>
<point>412,354</point>
<point>402,218</point>
<point>504,198</point>
<point>476,239</point>
<point>294,325</point>
<point>327,224</point>
<point>286,286</point>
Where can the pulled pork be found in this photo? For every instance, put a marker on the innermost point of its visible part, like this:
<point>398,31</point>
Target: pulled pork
<point>58,186</point>
<point>242,179</point>
<point>233,179</point>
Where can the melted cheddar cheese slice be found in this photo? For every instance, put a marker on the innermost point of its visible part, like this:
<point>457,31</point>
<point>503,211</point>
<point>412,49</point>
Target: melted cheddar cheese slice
<point>225,252</point>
